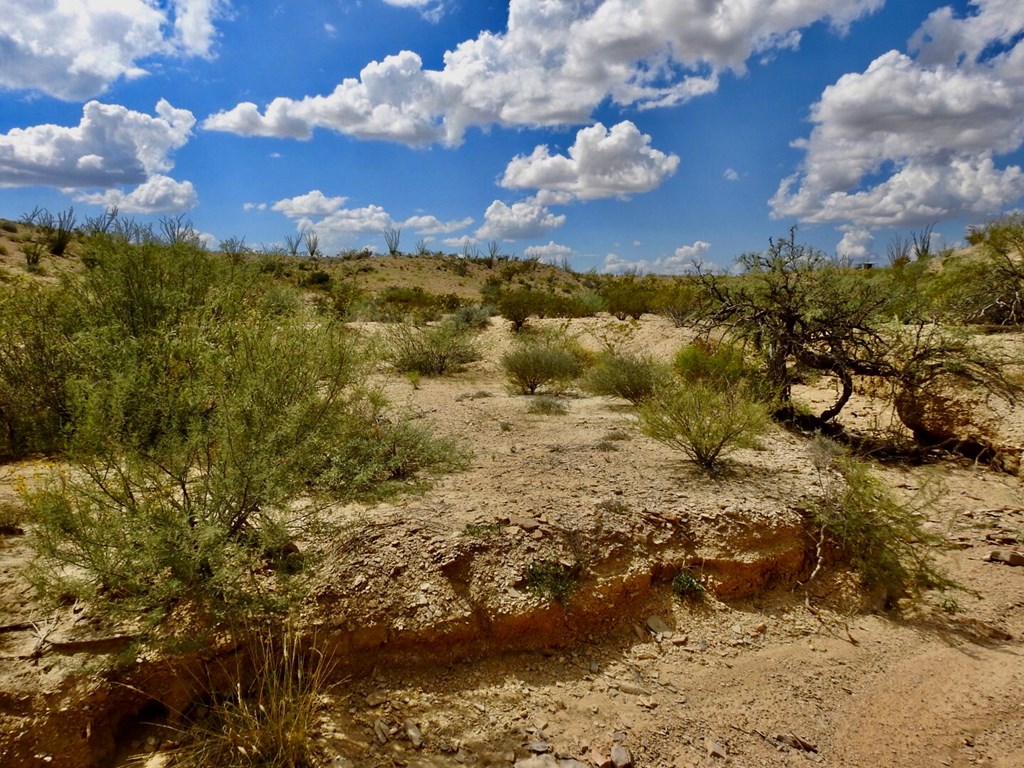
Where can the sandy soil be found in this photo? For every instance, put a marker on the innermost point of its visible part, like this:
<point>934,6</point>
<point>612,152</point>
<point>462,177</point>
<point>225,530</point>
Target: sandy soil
<point>425,607</point>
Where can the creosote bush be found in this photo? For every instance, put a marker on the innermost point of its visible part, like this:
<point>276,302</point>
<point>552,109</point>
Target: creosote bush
<point>551,361</point>
<point>431,350</point>
<point>705,423</point>
<point>633,377</point>
<point>884,539</point>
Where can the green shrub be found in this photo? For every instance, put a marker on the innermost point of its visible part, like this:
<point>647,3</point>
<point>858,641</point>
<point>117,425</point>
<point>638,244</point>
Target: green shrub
<point>886,541</point>
<point>517,307</point>
<point>628,296</point>
<point>432,350</point>
<point>38,356</point>
<point>472,316</point>
<point>627,375</point>
<point>705,423</point>
<point>686,587</point>
<point>535,364</point>
<point>199,406</point>
<point>9,226</point>
<point>552,580</point>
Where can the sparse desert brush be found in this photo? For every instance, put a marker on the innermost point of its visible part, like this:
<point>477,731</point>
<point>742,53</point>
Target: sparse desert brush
<point>885,540</point>
<point>518,306</point>
<point>717,364</point>
<point>208,423</point>
<point>705,423</point>
<point>430,350</point>
<point>548,360</point>
<point>633,377</point>
<point>553,579</point>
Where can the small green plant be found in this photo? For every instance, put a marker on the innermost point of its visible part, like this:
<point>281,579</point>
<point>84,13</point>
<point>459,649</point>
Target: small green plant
<point>430,350</point>
<point>545,361</point>
<point>552,579</point>
<point>481,529</point>
<point>9,226</point>
<point>547,406</point>
<point>705,423</point>
<point>505,426</point>
<point>685,586</point>
<point>630,376</point>
<point>885,540</point>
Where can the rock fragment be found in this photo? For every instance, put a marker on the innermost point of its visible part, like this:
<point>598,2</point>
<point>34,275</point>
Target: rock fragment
<point>621,756</point>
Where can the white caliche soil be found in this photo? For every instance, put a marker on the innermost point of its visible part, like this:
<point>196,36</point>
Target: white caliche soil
<point>424,608</point>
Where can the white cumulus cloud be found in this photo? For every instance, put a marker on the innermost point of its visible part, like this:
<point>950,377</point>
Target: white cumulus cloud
<point>75,49</point>
<point>684,260</point>
<point>522,220</point>
<point>111,147</point>
<point>615,162</point>
<point>551,252</point>
<point>554,64</point>
<point>313,203</point>
<point>932,127</point>
<point>158,194</point>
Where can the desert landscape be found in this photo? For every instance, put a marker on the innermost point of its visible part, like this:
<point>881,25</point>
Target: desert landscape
<point>559,589</point>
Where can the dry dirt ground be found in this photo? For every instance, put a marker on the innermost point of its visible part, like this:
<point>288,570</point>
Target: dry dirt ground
<point>446,658</point>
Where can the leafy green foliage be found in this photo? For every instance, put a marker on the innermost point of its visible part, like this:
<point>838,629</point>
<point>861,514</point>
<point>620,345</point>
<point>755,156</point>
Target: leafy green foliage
<point>630,376</point>
<point>686,587</point>
<point>882,538</point>
<point>208,417</point>
<point>628,296</point>
<point>704,422</point>
<point>552,580</point>
<point>517,307</point>
<point>545,360</point>
<point>431,350</point>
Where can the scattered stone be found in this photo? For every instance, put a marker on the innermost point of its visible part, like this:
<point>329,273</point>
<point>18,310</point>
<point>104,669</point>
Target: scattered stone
<point>528,524</point>
<point>658,626</point>
<point>792,740</point>
<point>571,763</point>
<point>538,747</point>
<point>413,732</point>
<point>621,756</point>
<point>376,698</point>
<point>380,728</point>
<point>760,629</point>
<point>1009,558</point>
<point>537,761</point>
<point>715,749</point>
<point>633,690</point>
<point>678,639</point>
<point>341,762</point>
<point>618,736</point>
<point>599,760</point>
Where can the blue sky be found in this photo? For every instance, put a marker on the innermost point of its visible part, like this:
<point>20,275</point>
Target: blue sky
<point>616,134</point>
